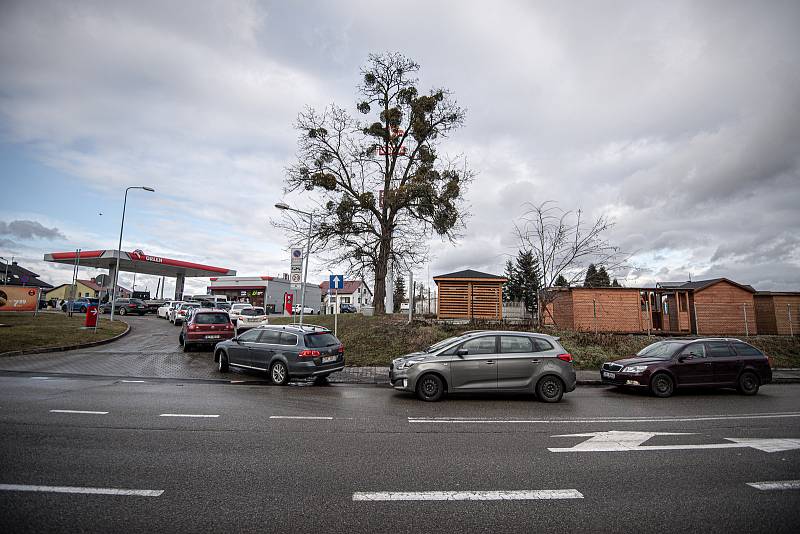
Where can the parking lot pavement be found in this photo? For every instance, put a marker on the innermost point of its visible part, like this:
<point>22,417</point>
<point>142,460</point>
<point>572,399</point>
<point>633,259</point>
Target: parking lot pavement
<point>98,455</point>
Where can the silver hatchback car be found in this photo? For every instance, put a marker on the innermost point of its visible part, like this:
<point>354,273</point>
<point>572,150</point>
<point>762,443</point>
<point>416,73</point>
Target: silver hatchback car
<point>486,361</point>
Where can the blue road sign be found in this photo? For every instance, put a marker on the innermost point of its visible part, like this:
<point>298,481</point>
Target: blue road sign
<point>336,281</point>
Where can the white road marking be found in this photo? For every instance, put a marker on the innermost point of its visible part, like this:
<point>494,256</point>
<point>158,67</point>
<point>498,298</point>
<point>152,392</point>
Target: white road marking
<point>76,489</point>
<point>40,378</point>
<point>79,411</point>
<point>666,419</point>
<point>187,415</point>
<point>300,417</point>
<point>133,381</point>
<point>776,485</point>
<point>523,495</point>
<point>616,441</point>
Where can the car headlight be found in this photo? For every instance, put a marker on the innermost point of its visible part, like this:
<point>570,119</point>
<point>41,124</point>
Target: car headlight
<point>634,369</point>
<point>407,364</point>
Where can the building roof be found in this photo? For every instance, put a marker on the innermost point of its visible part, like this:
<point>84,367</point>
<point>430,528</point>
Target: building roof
<point>15,274</point>
<point>91,284</point>
<point>470,273</point>
<point>349,286</point>
<point>778,293</point>
<point>699,285</point>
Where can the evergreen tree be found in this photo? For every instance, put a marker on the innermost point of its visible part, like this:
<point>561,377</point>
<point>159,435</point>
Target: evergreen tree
<point>591,276</point>
<point>561,281</point>
<point>511,288</point>
<point>603,279</point>
<point>528,275</point>
<point>399,292</point>
<point>615,283</point>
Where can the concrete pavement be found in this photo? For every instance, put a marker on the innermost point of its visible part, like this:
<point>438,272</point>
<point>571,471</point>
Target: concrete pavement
<point>277,459</point>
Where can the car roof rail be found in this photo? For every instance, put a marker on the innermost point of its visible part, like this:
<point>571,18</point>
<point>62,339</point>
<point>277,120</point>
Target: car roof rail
<point>304,325</point>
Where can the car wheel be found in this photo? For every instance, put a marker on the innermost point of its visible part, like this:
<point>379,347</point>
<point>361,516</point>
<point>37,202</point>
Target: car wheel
<point>279,374</point>
<point>662,385</point>
<point>123,311</point>
<point>550,389</point>
<point>748,383</point>
<point>222,361</point>
<point>430,388</point>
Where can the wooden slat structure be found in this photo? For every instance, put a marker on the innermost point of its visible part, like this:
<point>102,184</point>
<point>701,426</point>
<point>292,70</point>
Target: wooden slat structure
<point>470,294</point>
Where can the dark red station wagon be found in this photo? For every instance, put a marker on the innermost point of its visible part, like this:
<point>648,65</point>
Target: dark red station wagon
<point>206,327</point>
<point>669,364</point>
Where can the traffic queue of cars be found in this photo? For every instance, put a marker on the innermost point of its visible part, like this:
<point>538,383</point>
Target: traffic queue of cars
<point>475,361</point>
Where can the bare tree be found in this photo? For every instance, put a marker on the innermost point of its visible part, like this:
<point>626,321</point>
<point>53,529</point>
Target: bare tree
<point>564,243</point>
<point>381,188</point>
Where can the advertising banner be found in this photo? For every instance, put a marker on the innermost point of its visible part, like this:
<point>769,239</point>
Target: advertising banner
<point>16,298</point>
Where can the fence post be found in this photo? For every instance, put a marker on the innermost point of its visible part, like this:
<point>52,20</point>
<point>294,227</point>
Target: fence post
<point>696,320</point>
<point>789,311</point>
<point>594,313</point>
<point>744,311</point>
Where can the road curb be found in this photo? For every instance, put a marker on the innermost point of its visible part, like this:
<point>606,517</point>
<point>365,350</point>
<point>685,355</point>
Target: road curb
<point>45,350</point>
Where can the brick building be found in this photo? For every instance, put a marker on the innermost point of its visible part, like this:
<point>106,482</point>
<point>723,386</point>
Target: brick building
<point>707,307</point>
<point>778,312</point>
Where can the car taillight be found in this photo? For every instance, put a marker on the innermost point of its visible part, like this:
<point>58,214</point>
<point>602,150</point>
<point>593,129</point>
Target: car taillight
<point>309,353</point>
<point>192,327</point>
<point>565,357</point>
<point>341,348</point>
<point>769,361</point>
<point>228,326</point>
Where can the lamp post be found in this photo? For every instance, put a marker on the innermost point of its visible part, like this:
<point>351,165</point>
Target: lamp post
<point>119,246</point>
<point>284,206</point>
<point>5,276</point>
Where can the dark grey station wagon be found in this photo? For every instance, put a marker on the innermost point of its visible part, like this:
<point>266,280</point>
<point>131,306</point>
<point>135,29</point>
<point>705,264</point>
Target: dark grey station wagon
<point>285,352</point>
<point>487,361</point>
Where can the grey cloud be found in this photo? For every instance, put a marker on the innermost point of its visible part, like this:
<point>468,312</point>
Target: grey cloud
<point>29,230</point>
<point>680,119</point>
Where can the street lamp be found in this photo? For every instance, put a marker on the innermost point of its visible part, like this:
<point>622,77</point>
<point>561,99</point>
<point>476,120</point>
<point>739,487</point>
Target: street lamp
<point>5,276</point>
<point>284,206</point>
<point>119,246</point>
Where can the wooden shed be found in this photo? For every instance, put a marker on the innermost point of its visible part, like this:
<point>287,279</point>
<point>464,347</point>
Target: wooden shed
<point>470,294</point>
<point>778,313</point>
<point>597,309</point>
<point>722,306</point>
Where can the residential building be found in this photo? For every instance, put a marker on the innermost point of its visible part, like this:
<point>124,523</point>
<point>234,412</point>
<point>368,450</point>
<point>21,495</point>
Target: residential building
<point>355,292</point>
<point>11,274</point>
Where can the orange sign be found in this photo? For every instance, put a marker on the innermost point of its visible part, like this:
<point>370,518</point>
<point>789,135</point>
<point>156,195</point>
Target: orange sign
<point>16,298</point>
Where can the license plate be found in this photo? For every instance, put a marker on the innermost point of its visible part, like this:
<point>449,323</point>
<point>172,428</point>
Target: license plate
<point>606,374</point>
<point>328,359</point>
<point>212,337</point>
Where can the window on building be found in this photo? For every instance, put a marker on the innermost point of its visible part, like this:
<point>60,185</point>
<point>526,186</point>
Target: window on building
<point>683,301</point>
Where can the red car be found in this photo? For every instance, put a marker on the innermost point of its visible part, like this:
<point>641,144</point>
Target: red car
<point>206,327</point>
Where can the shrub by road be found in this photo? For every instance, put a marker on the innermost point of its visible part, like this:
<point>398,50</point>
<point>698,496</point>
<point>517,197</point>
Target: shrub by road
<point>23,331</point>
<point>377,340</point>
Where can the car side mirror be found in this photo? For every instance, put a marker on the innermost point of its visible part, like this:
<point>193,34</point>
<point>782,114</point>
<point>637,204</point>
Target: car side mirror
<point>462,352</point>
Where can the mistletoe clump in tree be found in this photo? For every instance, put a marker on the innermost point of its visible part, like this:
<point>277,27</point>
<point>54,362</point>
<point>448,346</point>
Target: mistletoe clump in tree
<point>383,188</point>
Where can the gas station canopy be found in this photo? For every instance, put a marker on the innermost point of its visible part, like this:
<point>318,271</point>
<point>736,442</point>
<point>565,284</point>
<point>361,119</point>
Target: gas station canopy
<point>138,262</point>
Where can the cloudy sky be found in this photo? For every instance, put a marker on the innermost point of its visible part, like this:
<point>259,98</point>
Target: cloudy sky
<point>680,120</point>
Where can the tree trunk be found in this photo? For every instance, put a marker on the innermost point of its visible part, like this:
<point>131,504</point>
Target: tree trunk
<point>381,269</point>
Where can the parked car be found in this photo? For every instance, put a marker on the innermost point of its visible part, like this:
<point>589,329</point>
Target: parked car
<point>237,308</point>
<point>79,305</point>
<point>285,352</point>
<point>487,361</point>
<point>124,306</point>
<point>205,327</point>
<point>181,310</point>
<point>251,317</point>
<point>163,310</point>
<point>347,308</point>
<point>307,310</point>
<point>223,306</point>
<point>675,363</point>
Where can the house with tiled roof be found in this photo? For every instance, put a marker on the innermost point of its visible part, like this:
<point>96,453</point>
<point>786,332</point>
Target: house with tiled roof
<point>355,292</point>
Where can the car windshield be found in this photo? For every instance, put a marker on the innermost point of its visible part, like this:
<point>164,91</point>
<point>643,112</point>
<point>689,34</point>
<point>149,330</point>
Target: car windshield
<point>192,305</point>
<point>137,301</point>
<point>660,349</point>
<point>321,339</point>
<point>211,318</point>
<point>252,311</point>
<point>441,344</point>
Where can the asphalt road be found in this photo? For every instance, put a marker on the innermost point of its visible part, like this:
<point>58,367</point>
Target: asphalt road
<point>277,459</point>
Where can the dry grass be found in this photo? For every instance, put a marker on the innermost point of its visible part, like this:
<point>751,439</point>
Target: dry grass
<point>377,340</point>
<point>24,331</point>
